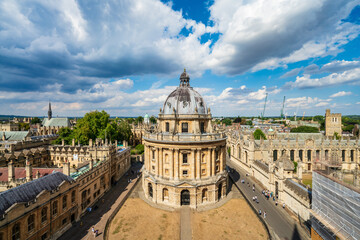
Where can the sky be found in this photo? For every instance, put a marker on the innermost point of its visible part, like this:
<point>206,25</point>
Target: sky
<point>126,56</point>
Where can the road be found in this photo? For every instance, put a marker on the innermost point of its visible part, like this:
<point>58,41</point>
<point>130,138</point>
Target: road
<point>278,219</point>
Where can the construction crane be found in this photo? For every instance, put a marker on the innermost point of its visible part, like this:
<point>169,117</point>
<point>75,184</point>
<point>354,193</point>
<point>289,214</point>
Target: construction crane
<point>303,117</point>
<point>295,113</point>
<point>282,109</point>
<point>263,112</point>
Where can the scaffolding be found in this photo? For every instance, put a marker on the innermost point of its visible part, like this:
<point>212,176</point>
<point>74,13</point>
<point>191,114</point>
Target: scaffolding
<point>335,205</point>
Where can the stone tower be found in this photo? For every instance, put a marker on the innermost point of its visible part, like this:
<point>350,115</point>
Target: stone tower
<point>49,112</point>
<point>184,158</point>
<point>332,123</point>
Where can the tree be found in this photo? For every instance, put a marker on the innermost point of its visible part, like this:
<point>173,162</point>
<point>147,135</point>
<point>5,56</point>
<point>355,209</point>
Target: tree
<point>139,120</point>
<point>226,121</point>
<point>35,120</point>
<point>130,120</point>
<point>305,129</point>
<point>249,123</point>
<point>337,136</point>
<point>237,120</point>
<point>64,133</point>
<point>153,120</point>
<point>24,126</point>
<point>259,134</point>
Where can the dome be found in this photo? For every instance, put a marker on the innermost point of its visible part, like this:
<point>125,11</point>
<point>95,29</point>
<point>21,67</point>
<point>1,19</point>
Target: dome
<point>184,99</point>
<point>146,116</point>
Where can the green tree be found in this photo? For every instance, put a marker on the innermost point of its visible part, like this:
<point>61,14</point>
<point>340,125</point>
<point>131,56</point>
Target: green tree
<point>64,133</point>
<point>337,136</point>
<point>139,120</point>
<point>259,134</point>
<point>130,120</point>
<point>24,126</point>
<point>35,120</point>
<point>305,129</point>
<point>226,121</point>
<point>249,123</point>
<point>153,119</point>
<point>237,120</point>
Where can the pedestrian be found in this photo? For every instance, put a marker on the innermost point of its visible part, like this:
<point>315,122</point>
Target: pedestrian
<point>276,203</point>
<point>260,212</point>
<point>253,189</point>
<point>284,205</point>
<point>264,214</point>
<point>96,232</point>
<point>93,231</point>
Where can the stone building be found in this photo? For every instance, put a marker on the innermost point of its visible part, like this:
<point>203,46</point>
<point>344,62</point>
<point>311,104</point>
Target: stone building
<point>52,125</point>
<point>47,206</point>
<point>184,158</point>
<point>8,127</point>
<point>332,123</point>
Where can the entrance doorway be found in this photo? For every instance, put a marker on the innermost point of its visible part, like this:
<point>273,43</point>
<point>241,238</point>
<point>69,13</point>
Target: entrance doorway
<point>185,197</point>
<point>150,189</point>
<point>220,191</point>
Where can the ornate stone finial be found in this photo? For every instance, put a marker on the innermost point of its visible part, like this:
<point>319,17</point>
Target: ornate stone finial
<point>184,79</point>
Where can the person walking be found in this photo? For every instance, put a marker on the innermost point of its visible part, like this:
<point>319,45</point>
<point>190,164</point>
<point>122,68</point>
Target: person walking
<point>93,231</point>
<point>264,214</point>
<point>260,212</point>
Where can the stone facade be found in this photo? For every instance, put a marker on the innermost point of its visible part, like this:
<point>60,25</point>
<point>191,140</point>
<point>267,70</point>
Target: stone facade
<point>7,127</point>
<point>184,158</point>
<point>332,123</point>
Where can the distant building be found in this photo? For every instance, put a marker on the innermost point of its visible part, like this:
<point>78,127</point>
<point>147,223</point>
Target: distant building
<point>7,127</point>
<point>52,125</point>
<point>332,123</point>
<point>14,135</point>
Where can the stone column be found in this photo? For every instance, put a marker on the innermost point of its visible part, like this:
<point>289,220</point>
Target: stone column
<point>213,161</point>
<point>193,163</point>
<point>157,161</point>
<point>208,162</point>
<point>171,163</point>
<point>198,163</point>
<point>161,162</point>
<point>176,163</point>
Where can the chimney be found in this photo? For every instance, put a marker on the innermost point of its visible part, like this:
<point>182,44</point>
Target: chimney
<point>66,168</point>
<point>11,171</point>
<point>90,142</point>
<point>62,142</point>
<point>91,164</point>
<point>28,170</point>
<point>37,174</point>
<point>73,142</point>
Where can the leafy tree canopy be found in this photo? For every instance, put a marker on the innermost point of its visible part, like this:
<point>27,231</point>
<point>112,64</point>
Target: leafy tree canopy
<point>35,120</point>
<point>226,121</point>
<point>139,120</point>
<point>305,129</point>
<point>237,120</point>
<point>153,119</point>
<point>259,134</point>
<point>249,123</point>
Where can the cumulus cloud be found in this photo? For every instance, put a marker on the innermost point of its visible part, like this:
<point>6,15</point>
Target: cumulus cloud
<point>269,34</point>
<point>306,102</point>
<point>341,94</point>
<point>347,77</point>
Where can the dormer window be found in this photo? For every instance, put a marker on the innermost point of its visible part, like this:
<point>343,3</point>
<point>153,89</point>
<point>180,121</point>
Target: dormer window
<point>167,127</point>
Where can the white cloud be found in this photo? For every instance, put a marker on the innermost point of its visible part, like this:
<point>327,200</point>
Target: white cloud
<point>340,94</point>
<point>306,102</point>
<point>347,77</point>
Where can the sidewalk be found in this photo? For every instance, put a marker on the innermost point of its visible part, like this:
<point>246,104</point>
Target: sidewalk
<point>106,206</point>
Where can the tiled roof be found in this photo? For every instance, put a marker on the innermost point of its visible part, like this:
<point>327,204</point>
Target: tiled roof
<point>21,173</point>
<point>14,135</point>
<point>56,122</point>
<point>29,191</point>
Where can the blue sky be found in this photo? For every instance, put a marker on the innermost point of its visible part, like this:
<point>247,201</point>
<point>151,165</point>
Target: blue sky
<point>126,56</point>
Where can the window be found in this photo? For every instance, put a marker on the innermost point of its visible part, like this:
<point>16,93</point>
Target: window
<point>352,155</point>
<point>202,127</point>
<point>343,155</point>
<point>309,155</point>
<point>165,194</point>
<point>31,222</point>
<point>166,171</point>
<point>153,154</point>
<point>204,194</point>
<point>203,158</point>
<point>185,172</point>
<point>167,127</point>
<point>275,155</point>
<point>64,202</point>
<point>44,215</point>
<point>203,171</point>
<point>16,232</point>
<point>301,155</point>
<point>184,127</point>
<point>64,221</point>
<point>95,186</point>
<point>153,168</point>
<point>73,197</point>
<point>216,154</point>
<point>55,208</point>
<point>292,155</point>
<point>185,159</point>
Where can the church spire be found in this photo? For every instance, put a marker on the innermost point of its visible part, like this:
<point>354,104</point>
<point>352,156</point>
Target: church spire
<point>49,112</point>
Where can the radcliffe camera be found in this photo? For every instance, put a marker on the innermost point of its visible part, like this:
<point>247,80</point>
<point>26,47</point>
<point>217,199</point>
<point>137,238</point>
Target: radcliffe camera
<point>180,120</point>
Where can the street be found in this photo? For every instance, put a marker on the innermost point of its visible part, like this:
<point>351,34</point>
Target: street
<point>277,218</point>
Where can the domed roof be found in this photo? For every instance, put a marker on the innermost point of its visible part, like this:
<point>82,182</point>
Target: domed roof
<point>146,116</point>
<point>184,99</point>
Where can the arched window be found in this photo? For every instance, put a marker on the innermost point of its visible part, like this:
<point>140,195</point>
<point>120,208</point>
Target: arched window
<point>55,208</point>
<point>184,127</point>
<point>64,202</point>
<point>166,158</point>
<point>167,127</point>
<point>204,195</point>
<point>16,232</point>
<point>44,215</point>
<point>165,194</point>
<point>31,222</point>
<point>275,155</point>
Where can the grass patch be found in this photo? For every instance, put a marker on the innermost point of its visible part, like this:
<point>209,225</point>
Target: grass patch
<point>307,182</point>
